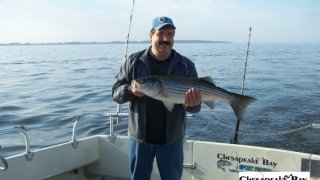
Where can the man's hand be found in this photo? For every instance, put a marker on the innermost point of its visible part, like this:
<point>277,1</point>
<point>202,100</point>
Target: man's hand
<point>192,98</point>
<point>133,89</point>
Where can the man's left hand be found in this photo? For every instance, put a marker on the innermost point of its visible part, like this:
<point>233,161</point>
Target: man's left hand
<point>192,98</point>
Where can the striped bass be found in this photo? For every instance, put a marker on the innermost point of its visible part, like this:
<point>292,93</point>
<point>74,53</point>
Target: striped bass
<point>172,90</point>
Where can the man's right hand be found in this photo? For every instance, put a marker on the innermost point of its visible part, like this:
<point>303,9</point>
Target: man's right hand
<point>133,89</point>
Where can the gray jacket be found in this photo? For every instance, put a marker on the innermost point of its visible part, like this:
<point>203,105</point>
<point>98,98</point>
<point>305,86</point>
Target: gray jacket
<point>136,66</point>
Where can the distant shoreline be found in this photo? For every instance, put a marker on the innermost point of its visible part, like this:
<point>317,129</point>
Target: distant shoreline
<point>111,42</point>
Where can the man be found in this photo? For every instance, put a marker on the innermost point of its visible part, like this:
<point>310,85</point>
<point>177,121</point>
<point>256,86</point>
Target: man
<point>153,130</point>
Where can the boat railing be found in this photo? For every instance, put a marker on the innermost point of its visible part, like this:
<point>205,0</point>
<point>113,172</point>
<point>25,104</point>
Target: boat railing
<point>118,115</point>
<point>28,154</point>
<point>115,116</point>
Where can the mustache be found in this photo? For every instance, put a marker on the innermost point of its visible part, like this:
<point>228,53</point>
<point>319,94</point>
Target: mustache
<point>164,42</point>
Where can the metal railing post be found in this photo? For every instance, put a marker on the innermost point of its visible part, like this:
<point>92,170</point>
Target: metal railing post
<point>28,153</point>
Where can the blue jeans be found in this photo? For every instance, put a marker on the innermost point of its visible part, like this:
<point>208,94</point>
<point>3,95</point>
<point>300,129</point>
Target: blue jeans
<point>169,160</point>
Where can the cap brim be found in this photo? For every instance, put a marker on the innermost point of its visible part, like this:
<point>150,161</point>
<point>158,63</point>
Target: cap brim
<point>164,24</point>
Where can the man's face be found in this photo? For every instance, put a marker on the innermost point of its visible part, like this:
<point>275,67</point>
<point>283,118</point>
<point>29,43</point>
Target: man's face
<point>163,39</point>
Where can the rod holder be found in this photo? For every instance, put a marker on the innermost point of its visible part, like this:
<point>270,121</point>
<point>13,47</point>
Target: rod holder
<point>28,154</point>
<point>3,164</point>
<point>74,141</point>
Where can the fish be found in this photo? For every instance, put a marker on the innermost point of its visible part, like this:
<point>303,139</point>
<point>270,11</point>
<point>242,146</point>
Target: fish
<point>171,90</point>
<point>221,164</point>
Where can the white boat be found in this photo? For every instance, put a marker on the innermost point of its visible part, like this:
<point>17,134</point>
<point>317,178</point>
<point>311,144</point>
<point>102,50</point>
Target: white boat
<point>106,157</point>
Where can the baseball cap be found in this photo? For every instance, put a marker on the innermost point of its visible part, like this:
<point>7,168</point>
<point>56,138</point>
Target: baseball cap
<point>160,22</point>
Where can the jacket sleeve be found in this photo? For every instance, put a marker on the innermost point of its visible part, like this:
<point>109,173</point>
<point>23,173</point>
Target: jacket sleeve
<point>192,73</point>
<point>120,90</point>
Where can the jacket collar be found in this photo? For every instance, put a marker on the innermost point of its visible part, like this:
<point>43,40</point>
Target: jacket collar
<point>174,60</point>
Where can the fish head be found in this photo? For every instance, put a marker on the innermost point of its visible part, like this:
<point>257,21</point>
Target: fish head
<point>151,86</point>
<point>224,163</point>
<point>221,164</point>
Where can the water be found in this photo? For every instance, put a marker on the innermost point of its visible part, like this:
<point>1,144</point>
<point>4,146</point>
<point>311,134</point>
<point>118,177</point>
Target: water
<point>45,87</point>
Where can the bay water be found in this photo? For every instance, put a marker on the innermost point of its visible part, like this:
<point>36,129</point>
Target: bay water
<point>44,88</point>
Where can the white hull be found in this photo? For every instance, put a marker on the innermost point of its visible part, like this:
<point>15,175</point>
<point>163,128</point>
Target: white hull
<point>107,156</point>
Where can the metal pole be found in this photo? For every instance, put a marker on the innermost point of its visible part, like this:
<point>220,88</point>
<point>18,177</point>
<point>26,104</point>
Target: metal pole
<point>235,139</point>
<point>246,63</point>
<point>119,108</point>
<point>128,35</point>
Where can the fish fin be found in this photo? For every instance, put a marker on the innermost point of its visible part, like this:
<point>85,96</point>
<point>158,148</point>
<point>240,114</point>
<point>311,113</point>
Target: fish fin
<point>207,79</point>
<point>240,104</point>
<point>162,95</point>
<point>210,104</point>
<point>168,105</point>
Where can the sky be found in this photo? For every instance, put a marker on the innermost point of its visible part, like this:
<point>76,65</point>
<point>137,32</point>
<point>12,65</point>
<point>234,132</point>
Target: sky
<point>52,21</point>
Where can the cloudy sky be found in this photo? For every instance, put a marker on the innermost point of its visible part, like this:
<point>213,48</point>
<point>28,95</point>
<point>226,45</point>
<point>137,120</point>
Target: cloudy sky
<point>276,21</point>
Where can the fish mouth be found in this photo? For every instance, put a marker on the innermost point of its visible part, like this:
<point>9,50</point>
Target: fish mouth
<point>135,84</point>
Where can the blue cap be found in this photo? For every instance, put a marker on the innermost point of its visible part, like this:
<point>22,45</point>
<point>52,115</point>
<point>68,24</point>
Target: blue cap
<point>160,22</point>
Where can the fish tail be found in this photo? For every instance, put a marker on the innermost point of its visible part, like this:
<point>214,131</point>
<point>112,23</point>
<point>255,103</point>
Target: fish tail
<point>240,104</point>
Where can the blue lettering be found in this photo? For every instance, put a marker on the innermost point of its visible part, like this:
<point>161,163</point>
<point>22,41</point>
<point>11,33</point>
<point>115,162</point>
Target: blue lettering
<point>246,167</point>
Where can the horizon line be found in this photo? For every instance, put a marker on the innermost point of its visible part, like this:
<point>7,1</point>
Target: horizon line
<point>106,42</point>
